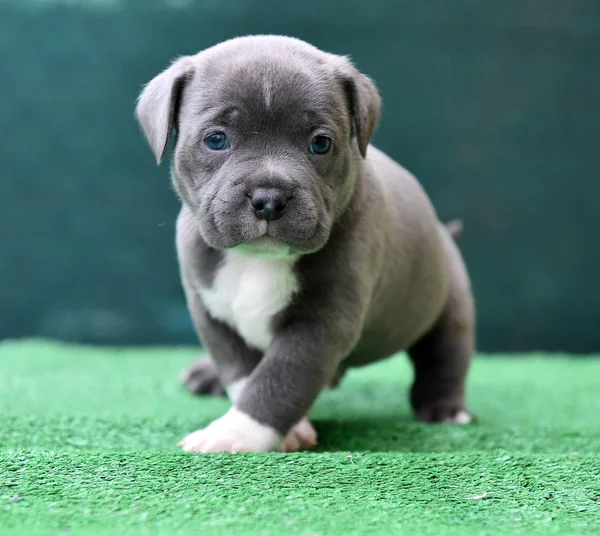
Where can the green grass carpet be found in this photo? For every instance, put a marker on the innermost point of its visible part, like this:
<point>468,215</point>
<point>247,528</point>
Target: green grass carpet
<point>88,446</point>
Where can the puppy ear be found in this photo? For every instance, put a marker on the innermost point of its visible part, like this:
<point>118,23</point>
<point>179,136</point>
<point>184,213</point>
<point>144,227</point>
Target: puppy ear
<point>158,102</point>
<point>364,101</point>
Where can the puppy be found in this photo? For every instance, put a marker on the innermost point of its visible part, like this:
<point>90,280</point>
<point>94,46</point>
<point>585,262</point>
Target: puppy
<point>303,249</point>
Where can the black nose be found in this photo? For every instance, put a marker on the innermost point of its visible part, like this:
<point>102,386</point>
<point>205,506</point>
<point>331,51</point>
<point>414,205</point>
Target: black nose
<point>268,203</point>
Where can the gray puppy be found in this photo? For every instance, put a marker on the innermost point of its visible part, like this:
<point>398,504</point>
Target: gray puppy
<point>303,250</point>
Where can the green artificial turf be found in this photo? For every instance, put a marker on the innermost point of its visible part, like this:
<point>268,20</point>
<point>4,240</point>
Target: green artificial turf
<point>88,446</point>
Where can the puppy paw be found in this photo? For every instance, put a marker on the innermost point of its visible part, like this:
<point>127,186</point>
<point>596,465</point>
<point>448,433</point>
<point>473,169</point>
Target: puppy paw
<point>201,378</point>
<point>234,432</point>
<point>445,414</point>
<point>301,437</point>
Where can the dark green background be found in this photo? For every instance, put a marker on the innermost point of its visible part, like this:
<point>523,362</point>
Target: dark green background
<point>494,105</point>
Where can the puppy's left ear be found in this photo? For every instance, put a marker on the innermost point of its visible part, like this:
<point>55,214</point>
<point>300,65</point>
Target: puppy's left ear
<point>363,98</point>
<point>158,102</point>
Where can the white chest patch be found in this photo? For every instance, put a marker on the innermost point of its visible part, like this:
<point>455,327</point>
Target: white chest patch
<point>247,292</point>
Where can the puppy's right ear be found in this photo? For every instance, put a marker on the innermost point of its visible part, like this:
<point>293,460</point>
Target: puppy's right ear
<point>158,102</point>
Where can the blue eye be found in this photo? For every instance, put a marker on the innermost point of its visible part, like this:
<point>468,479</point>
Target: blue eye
<point>320,145</point>
<point>216,142</point>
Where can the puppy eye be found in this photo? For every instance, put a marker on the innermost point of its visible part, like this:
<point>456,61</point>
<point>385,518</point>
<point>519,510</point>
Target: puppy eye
<point>320,145</point>
<point>216,141</point>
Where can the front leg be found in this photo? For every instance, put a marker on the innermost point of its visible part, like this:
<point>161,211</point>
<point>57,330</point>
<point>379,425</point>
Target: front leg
<point>227,370</point>
<point>301,361</point>
<point>231,360</point>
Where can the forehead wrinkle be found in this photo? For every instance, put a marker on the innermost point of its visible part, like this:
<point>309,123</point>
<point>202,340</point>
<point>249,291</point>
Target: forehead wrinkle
<point>315,119</point>
<point>304,110</point>
<point>221,115</point>
<point>301,95</point>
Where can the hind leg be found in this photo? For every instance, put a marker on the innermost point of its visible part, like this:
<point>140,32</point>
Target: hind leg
<point>441,360</point>
<point>201,378</point>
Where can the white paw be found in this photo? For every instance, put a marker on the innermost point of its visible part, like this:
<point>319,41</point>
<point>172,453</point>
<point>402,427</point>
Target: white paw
<point>234,432</point>
<point>462,417</point>
<point>301,437</point>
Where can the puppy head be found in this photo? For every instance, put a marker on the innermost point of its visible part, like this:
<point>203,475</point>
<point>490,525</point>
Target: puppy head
<point>270,132</point>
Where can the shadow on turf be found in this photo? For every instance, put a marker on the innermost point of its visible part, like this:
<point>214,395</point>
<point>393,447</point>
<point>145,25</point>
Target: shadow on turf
<point>399,434</point>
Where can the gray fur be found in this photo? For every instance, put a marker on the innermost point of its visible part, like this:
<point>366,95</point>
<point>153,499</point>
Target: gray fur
<point>378,272</point>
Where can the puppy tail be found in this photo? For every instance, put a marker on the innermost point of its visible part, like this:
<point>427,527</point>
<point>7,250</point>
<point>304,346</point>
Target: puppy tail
<point>455,228</point>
